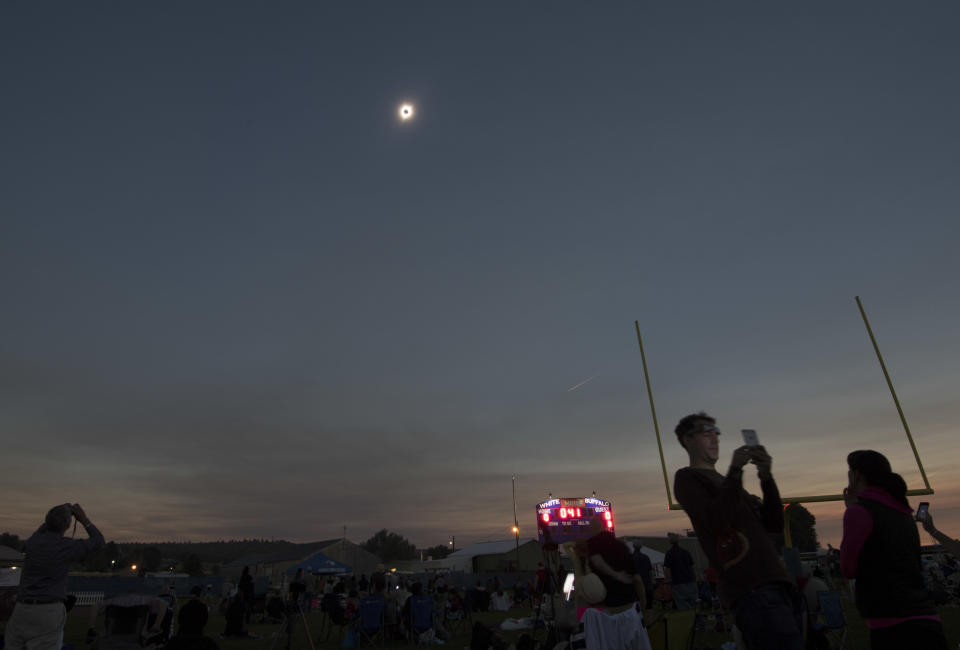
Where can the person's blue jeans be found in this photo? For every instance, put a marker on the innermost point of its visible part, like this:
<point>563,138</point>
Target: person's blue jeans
<point>685,595</point>
<point>769,618</point>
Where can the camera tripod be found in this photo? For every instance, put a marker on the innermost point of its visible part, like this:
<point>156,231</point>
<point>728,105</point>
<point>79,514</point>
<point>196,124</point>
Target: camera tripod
<point>550,587</point>
<point>291,612</point>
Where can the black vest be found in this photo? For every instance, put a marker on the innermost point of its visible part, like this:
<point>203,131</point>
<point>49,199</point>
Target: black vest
<point>889,573</point>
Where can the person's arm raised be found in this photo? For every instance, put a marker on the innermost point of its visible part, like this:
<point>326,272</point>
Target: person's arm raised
<point>80,547</point>
<point>857,526</point>
<point>951,545</point>
<point>600,566</point>
<point>641,591</point>
<point>741,456</point>
<point>704,503</point>
<point>772,506</point>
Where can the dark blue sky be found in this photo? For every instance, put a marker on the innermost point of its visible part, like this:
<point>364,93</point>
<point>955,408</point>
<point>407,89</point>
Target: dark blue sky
<point>237,289</point>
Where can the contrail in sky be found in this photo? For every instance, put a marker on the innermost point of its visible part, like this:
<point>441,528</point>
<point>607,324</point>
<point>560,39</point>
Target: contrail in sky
<point>573,388</point>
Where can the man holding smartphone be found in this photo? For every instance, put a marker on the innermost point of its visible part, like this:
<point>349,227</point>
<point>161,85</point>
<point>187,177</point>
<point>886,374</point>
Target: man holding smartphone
<point>734,529</point>
<point>38,619</point>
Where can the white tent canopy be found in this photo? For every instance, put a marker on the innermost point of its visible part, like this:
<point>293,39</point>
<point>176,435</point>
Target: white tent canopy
<point>462,560</point>
<point>10,556</point>
<point>656,557</point>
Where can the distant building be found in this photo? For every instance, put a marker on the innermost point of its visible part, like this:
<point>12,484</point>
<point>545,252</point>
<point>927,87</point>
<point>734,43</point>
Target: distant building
<point>11,564</point>
<point>495,557</point>
<point>10,557</point>
<point>273,566</point>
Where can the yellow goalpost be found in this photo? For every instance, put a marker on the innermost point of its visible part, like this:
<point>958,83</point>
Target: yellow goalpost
<point>801,499</point>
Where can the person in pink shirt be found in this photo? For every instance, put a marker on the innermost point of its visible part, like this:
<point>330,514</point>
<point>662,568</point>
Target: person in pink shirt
<point>881,550</point>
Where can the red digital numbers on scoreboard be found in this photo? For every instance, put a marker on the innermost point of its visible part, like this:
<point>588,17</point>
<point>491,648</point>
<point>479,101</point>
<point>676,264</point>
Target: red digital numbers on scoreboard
<point>570,513</point>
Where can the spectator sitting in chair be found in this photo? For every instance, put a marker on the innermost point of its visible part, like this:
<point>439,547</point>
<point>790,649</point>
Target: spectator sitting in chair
<point>663,594</point>
<point>352,609</point>
<point>191,620</point>
<point>810,585</point>
<point>947,566</point>
<point>500,600</point>
<point>196,593</point>
<point>520,595</point>
<point>481,596</point>
<point>454,604</point>
<point>416,589</point>
<point>236,627</point>
<point>273,611</point>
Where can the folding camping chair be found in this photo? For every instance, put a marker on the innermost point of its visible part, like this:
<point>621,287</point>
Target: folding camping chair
<point>124,627</point>
<point>370,623</point>
<point>459,620</point>
<point>673,630</point>
<point>119,620</point>
<point>421,616</point>
<point>273,611</point>
<point>834,623</point>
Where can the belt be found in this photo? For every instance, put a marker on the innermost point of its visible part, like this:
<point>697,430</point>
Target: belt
<point>39,601</point>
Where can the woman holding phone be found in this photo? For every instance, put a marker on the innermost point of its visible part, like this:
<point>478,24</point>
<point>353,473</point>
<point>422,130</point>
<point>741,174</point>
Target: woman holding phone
<point>881,549</point>
<point>950,544</point>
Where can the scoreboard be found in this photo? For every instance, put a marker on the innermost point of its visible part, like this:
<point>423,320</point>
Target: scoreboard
<point>568,520</point>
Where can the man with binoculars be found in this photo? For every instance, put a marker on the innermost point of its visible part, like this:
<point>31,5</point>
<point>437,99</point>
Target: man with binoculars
<point>38,619</point>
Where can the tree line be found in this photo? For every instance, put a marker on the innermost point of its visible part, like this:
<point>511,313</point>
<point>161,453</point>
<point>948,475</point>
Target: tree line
<point>196,557</point>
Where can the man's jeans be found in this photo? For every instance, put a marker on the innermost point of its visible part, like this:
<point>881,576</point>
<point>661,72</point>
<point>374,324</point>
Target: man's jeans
<point>685,595</point>
<point>769,618</point>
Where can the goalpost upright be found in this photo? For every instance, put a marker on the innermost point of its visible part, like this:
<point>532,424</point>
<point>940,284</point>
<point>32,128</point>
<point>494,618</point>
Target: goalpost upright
<point>926,489</point>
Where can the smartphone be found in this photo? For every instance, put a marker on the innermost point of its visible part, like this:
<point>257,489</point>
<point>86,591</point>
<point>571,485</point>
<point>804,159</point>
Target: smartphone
<point>922,510</point>
<point>750,438</point>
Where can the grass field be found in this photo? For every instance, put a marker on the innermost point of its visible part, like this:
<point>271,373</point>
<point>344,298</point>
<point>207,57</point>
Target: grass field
<point>857,638</point>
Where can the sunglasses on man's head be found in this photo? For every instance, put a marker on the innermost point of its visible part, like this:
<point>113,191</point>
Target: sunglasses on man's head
<point>706,428</point>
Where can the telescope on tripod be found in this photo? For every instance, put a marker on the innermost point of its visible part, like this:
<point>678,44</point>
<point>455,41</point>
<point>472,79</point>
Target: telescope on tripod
<point>292,610</point>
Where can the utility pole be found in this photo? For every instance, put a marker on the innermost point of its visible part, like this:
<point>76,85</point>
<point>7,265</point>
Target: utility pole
<point>516,523</point>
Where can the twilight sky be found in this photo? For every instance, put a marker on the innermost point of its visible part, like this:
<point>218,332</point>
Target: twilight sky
<point>241,299</point>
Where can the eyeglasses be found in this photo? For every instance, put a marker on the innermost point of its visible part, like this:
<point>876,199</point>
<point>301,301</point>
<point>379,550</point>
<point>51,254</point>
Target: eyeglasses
<point>707,429</point>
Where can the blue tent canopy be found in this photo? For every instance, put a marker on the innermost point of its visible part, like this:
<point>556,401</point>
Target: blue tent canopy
<point>319,564</point>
